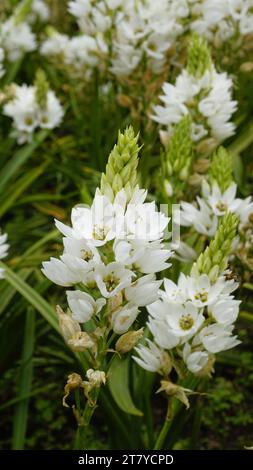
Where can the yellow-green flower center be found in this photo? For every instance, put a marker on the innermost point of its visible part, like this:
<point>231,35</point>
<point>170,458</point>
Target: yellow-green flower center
<point>202,296</point>
<point>186,322</point>
<point>111,282</point>
<point>221,206</point>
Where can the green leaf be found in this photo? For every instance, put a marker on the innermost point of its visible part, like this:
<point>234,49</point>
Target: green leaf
<point>9,291</point>
<point>20,157</point>
<point>24,388</point>
<point>19,187</point>
<point>31,296</point>
<point>118,381</point>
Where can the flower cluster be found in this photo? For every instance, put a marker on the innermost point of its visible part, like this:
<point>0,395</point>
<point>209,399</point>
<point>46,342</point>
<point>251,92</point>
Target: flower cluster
<point>218,197</point>
<point>120,35</point>
<point>38,11</point>
<point>201,92</point>
<point>220,21</point>
<point>33,107</point>
<point>16,36</point>
<point>126,36</point>
<point>112,251</point>
<point>194,318</point>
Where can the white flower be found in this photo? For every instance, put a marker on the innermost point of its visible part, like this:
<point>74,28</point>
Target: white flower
<point>146,257</point>
<point>57,271</point>
<point>183,252</point>
<point>200,290</point>
<point>216,338</point>
<point>83,306</point>
<point>225,310</point>
<point>222,202</point>
<point>162,333</point>
<point>81,51</point>
<point>79,8</point>
<point>185,320</point>
<point>144,291</point>
<point>96,224</point>
<point>3,250</point>
<point>151,357</point>
<point>215,105</point>
<point>202,219</point>
<point>195,361</point>
<point>22,109</point>
<point>39,11</point>
<point>143,222</point>
<point>154,258</point>
<point>16,39</point>
<point>52,114</point>
<point>27,114</point>
<point>175,292</point>
<point>55,45</point>
<point>81,249</point>
<point>112,278</point>
<point>3,245</point>
<point>123,318</point>
<point>220,20</point>
<point>244,210</point>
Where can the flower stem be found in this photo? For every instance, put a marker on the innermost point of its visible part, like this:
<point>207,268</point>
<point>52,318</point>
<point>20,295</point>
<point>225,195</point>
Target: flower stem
<point>165,429</point>
<point>163,434</point>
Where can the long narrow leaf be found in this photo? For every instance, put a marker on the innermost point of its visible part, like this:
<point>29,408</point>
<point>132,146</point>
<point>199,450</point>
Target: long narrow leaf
<point>23,183</point>
<point>21,410</point>
<point>118,381</point>
<point>20,157</point>
<point>31,296</point>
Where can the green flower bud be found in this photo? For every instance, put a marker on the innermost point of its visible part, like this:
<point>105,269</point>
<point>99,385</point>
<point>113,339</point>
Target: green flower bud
<point>214,259</point>
<point>178,157</point>
<point>220,170</point>
<point>42,86</point>
<point>199,56</point>
<point>121,169</point>
<point>22,11</point>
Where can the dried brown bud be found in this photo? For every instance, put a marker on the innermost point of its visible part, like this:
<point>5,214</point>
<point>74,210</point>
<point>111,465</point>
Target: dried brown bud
<point>82,341</point>
<point>175,390</point>
<point>201,165</point>
<point>68,327</point>
<point>74,381</point>
<point>127,341</point>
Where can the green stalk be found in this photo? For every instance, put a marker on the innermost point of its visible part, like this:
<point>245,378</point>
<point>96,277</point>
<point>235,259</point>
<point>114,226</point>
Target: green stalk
<point>164,431</point>
<point>242,141</point>
<point>96,125</point>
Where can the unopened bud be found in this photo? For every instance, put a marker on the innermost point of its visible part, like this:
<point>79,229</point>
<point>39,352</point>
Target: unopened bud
<point>183,175</point>
<point>168,188</point>
<point>201,165</point>
<point>208,369</point>
<point>127,341</point>
<point>206,145</point>
<point>246,67</point>
<point>115,302</point>
<point>69,328</point>
<point>213,274</point>
<point>164,138</point>
<point>195,180</point>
